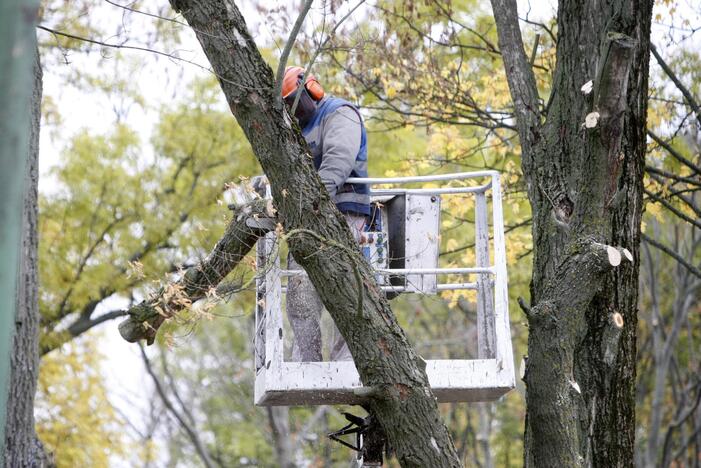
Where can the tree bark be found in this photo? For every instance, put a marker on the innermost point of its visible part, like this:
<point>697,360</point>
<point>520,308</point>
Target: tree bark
<point>317,236</point>
<point>585,188</point>
<point>22,446</point>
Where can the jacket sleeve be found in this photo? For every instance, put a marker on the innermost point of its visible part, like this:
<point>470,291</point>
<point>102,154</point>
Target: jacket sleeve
<point>341,143</point>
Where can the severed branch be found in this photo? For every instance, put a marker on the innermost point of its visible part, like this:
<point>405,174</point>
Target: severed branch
<point>243,231</point>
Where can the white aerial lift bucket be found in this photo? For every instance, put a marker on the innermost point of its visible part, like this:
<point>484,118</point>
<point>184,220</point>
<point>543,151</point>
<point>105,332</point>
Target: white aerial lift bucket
<point>405,254</point>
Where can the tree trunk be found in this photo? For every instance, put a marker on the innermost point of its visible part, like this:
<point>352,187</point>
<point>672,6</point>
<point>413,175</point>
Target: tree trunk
<point>22,447</point>
<point>585,188</point>
<point>279,420</point>
<point>401,399</point>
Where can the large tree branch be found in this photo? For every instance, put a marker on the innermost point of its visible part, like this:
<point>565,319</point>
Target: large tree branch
<point>519,74</point>
<point>404,403</point>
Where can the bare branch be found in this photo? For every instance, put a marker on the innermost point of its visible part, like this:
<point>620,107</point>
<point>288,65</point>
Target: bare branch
<point>145,13</point>
<point>683,89</point>
<point>670,207</point>
<point>288,47</point>
<point>321,47</point>
<point>675,177</point>
<point>678,156</point>
<point>189,430</point>
<point>143,49</point>
<point>692,269</point>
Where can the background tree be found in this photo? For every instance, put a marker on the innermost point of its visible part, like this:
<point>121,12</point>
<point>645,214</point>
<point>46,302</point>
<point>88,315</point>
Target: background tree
<point>585,187</point>
<point>22,446</point>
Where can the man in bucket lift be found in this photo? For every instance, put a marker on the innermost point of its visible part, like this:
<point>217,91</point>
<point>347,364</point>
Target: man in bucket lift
<point>334,130</point>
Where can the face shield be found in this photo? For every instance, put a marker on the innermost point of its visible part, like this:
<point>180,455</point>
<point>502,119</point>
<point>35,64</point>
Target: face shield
<point>306,106</point>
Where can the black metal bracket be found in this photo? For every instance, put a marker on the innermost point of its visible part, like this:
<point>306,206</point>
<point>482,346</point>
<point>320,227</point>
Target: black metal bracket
<point>370,439</point>
<point>357,426</point>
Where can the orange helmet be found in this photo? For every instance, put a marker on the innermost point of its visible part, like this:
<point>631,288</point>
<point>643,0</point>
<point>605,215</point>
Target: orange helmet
<point>292,80</point>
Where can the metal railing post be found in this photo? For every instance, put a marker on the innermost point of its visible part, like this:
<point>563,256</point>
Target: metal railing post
<point>486,335</point>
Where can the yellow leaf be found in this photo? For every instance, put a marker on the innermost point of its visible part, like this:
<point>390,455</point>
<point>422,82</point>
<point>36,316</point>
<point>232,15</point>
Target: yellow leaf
<point>655,210</point>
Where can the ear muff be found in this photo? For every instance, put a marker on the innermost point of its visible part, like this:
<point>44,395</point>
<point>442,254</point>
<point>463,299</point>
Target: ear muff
<point>314,88</point>
<point>293,79</point>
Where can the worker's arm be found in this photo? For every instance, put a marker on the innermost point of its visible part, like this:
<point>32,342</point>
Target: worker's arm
<point>341,140</point>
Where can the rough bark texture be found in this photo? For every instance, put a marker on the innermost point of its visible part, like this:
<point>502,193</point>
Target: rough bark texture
<point>146,318</point>
<point>402,399</point>
<point>22,447</point>
<point>585,188</point>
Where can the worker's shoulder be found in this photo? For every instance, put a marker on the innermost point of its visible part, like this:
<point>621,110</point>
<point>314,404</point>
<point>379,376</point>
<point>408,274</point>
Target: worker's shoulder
<point>338,109</point>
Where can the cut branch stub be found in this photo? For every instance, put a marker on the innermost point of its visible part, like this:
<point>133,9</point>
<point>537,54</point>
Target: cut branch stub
<point>614,255</point>
<point>628,255</point>
<point>242,233</point>
<point>591,119</point>
<point>587,87</point>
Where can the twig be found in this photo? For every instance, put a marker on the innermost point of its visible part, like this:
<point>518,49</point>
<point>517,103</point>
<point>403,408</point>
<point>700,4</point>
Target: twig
<point>541,25</point>
<point>320,48</point>
<point>675,177</point>
<point>145,13</point>
<point>142,49</point>
<point>525,307</point>
<point>674,152</point>
<point>674,210</point>
<point>535,49</point>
